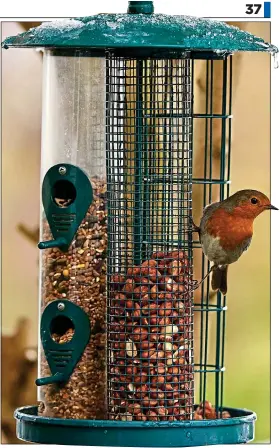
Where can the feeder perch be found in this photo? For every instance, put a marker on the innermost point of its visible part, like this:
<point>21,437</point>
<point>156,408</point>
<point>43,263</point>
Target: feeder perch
<point>117,346</point>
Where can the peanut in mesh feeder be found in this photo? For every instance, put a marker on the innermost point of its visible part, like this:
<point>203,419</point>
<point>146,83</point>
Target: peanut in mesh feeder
<point>116,359</point>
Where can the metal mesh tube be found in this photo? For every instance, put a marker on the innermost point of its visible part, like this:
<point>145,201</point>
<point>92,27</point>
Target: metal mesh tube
<point>149,198</point>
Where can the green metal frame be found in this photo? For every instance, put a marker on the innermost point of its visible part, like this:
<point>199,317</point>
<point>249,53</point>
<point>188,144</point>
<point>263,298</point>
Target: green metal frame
<point>214,366</point>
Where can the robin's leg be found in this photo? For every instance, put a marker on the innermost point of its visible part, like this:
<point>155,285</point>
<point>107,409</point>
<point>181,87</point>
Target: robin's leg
<point>196,284</point>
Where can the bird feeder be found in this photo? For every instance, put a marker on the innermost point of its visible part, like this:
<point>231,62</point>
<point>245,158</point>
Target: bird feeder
<point>116,364</point>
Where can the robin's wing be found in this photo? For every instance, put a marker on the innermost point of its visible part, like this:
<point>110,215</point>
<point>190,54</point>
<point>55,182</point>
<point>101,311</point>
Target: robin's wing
<point>210,207</point>
<point>207,212</point>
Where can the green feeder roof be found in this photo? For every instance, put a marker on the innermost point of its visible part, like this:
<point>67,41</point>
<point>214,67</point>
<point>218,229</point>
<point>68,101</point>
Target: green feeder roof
<point>140,28</point>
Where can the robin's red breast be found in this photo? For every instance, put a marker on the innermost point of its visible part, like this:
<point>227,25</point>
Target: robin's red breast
<point>226,230</point>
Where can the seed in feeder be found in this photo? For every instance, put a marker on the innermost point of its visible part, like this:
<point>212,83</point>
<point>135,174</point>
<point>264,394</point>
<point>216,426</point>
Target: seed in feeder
<point>180,307</point>
<point>75,289</point>
<point>159,255</point>
<point>141,417</point>
<point>60,261</point>
<point>165,309</point>
<point>180,350</point>
<point>149,353</point>
<point>167,346</point>
<point>174,268</point>
<point>131,388</point>
<point>149,263</point>
<point>162,412</point>
<point>139,334</point>
<point>169,331</point>
<point>170,360</point>
<point>152,416</point>
<point>131,349</point>
<point>154,333</point>
<point>134,408</point>
<point>135,270</point>
<point>157,355</point>
<point>154,292</point>
<point>127,417</point>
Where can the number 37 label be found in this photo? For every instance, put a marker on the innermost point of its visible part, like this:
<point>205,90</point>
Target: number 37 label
<point>258,9</point>
<point>253,8</point>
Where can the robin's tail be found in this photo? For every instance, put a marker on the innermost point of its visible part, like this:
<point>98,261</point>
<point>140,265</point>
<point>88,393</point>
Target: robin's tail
<point>219,279</point>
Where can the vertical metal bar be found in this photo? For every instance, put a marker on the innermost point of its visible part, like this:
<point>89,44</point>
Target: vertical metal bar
<point>152,149</point>
<point>208,263</point>
<point>219,297</point>
<point>138,205</point>
<point>228,186</point>
<point>203,258</point>
<point>211,132</point>
<point>108,216</point>
<point>171,155</point>
<point>146,200</point>
<point>229,123</point>
<point>190,106</point>
<point>165,131</point>
<point>184,68</point>
<point>223,139</point>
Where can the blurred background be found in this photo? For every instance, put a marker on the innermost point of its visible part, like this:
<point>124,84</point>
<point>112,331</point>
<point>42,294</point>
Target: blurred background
<point>247,357</point>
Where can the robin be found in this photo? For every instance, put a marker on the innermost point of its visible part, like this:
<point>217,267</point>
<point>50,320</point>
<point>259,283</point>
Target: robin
<point>226,230</point>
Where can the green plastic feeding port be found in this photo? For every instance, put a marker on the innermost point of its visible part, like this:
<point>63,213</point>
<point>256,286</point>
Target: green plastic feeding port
<point>118,363</point>
<point>59,317</point>
<point>66,197</point>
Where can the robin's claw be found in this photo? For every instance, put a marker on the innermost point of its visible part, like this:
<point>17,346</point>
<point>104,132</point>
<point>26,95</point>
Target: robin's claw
<point>196,283</point>
<point>193,226</point>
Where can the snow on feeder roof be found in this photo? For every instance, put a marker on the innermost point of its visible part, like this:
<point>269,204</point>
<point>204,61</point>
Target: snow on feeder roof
<point>140,28</point>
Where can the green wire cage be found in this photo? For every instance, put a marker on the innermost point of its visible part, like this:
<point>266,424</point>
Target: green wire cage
<point>118,364</point>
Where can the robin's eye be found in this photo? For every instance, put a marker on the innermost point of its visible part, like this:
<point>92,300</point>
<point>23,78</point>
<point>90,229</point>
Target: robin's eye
<point>254,201</point>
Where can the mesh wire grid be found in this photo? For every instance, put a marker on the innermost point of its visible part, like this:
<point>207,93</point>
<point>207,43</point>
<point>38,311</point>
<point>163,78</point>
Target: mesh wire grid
<point>149,104</point>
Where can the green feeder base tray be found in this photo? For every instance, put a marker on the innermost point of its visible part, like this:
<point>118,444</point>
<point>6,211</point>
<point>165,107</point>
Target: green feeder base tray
<point>33,428</point>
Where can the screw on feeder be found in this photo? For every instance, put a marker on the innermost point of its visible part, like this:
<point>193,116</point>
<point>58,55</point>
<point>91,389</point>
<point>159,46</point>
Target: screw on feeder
<point>61,306</point>
<point>62,170</point>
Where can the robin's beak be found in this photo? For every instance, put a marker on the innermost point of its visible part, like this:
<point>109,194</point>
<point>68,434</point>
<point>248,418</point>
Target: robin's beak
<point>271,207</point>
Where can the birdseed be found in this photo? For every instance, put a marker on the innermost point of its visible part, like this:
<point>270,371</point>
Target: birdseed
<point>79,276</point>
